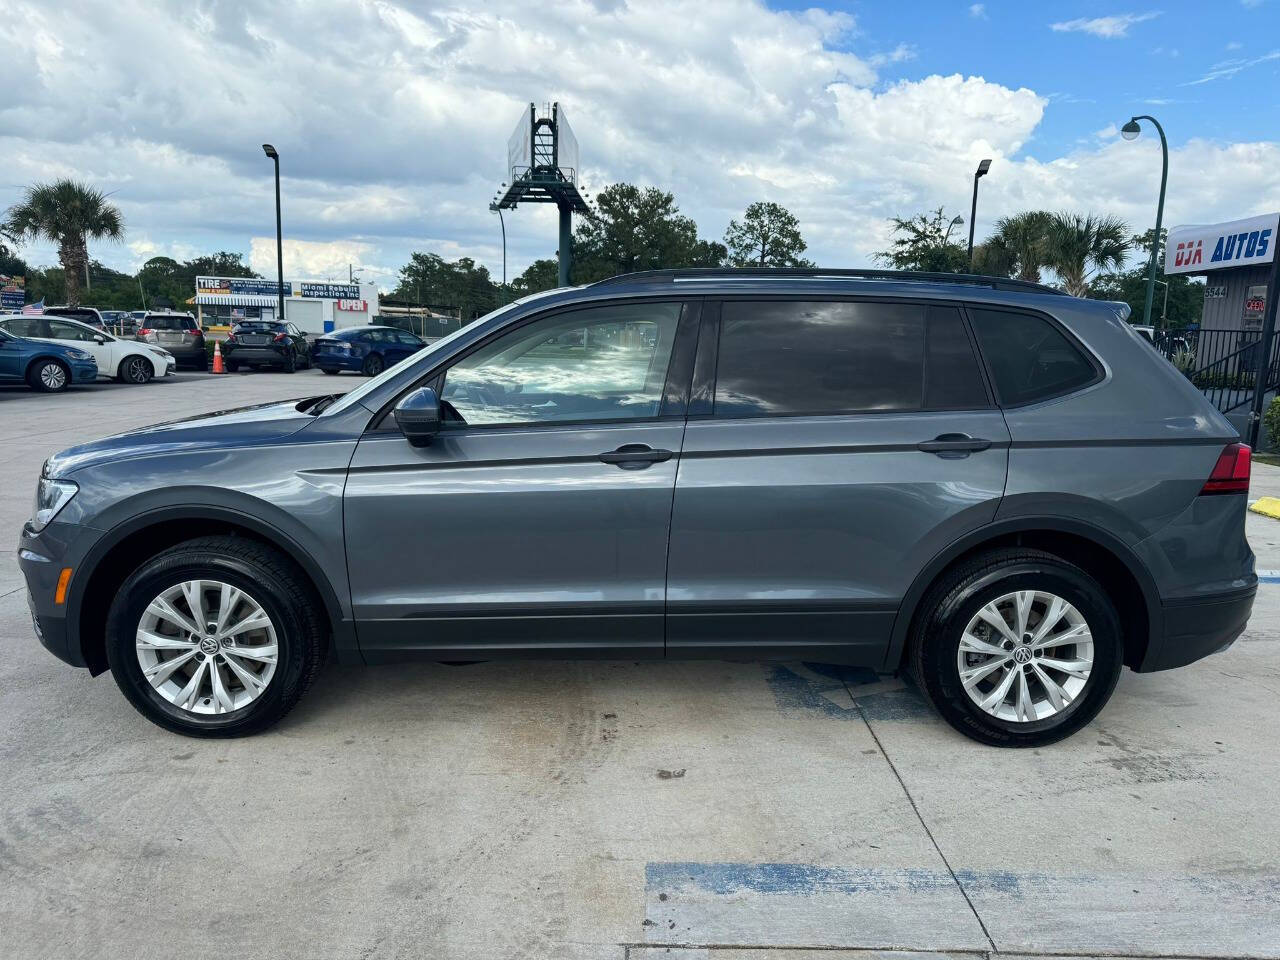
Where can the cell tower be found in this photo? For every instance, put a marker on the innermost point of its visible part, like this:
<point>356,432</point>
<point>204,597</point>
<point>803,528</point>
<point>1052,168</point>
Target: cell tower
<point>542,164</point>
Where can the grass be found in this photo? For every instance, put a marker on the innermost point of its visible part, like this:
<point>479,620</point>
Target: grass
<point>1270,459</point>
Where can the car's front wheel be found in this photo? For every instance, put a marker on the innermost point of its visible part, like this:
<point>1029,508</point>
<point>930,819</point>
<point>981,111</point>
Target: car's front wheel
<point>1017,648</point>
<point>215,637</point>
<point>135,369</point>
<point>48,376</point>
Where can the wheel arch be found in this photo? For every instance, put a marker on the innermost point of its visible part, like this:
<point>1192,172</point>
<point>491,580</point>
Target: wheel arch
<point>118,554</point>
<point>41,357</point>
<point>1116,567</point>
<point>119,371</point>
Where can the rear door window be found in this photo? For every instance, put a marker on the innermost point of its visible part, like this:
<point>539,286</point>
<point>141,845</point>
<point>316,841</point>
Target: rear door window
<point>1030,359</point>
<point>781,357</point>
<point>953,376</point>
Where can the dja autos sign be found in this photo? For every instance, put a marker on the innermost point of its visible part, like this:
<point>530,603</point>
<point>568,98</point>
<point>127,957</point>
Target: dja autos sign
<point>1217,246</point>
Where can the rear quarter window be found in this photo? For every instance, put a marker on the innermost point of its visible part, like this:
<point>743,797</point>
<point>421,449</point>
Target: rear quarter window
<point>1029,358</point>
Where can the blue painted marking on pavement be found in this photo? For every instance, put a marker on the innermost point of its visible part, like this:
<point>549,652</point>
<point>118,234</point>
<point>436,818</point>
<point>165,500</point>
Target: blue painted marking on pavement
<point>1268,576</point>
<point>802,879</point>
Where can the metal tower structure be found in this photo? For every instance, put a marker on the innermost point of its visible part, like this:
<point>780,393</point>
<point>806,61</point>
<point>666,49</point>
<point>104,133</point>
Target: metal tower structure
<point>542,165</point>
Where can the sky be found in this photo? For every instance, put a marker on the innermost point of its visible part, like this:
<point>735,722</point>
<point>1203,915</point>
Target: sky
<point>392,118</point>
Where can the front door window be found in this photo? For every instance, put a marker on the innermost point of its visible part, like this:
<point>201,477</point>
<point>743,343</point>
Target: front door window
<point>603,363</point>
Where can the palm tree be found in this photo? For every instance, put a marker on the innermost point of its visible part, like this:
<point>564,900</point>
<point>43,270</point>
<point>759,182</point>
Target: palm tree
<point>1022,241</point>
<point>66,213</point>
<point>1079,247</point>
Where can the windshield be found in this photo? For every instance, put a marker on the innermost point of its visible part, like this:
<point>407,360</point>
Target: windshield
<point>370,385</point>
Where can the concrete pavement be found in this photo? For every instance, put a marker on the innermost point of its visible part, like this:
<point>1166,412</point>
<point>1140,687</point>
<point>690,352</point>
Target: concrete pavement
<point>610,810</point>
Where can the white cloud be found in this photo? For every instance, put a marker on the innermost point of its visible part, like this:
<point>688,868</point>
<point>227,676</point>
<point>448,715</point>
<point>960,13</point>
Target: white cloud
<point>978,11</point>
<point>392,124</point>
<point>1116,25</point>
<point>1229,68</point>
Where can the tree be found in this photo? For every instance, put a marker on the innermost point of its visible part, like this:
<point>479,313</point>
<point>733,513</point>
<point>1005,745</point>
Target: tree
<point>429,279</point>
<point>768,236</point>
<point>638,228</point>
<point>66,213</point>
<point>538,276</point>
<point>923,242</point>
<point>1079,247</point>
<point>1020,245</point>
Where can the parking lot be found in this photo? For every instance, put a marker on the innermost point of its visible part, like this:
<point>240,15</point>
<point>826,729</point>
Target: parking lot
<point>618,810</point>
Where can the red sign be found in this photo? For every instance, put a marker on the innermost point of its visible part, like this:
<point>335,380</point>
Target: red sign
<point>355,306</point>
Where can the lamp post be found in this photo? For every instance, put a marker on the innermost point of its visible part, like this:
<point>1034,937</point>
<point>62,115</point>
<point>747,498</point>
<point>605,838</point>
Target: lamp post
<point>978,174</point>
<point>1130,131</point>
<point>270,151</point>
<point>498,210</point>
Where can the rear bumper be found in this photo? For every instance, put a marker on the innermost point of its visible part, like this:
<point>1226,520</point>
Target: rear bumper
<point>255,354</point>
<point>1197,627</point>
<point>337,361</point>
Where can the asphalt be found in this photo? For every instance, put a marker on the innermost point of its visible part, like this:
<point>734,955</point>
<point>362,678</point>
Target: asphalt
<point>694,811</point>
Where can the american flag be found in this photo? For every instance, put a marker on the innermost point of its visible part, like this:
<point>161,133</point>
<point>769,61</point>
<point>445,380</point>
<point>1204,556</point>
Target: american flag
<point>33,308</point>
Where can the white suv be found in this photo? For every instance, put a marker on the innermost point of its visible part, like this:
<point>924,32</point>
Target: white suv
<point>125,360</point>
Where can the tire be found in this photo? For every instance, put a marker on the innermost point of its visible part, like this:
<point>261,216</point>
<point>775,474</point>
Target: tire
<point>48,375</point>
<point>372,365</point>
<point>332,373</point>
<point>135,369</point>
<point>265,578</point>
<point>290,363</point>
<point>952,605</point>
<point>231,366</point>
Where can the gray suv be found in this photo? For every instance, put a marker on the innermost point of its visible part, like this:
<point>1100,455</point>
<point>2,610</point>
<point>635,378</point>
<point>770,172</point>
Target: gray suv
<point>1002,490</point>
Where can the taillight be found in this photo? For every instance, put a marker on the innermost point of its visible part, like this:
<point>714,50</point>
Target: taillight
<point>280,337</point>
<point>145,332</point>
<point>1231,472</point>
<point>230,338</point>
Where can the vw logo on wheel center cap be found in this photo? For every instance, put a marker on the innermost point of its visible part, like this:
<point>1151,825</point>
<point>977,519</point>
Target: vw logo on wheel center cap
<point>1022,655</point>
<point>209,646</point>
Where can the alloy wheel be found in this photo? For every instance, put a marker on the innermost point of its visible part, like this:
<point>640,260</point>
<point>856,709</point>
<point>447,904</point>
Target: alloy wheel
<point>207,647</point>
<point>138,371</point>
<point>1025,656</point>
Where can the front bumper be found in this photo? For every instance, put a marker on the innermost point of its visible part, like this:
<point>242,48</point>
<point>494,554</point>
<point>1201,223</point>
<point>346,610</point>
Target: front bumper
<point>1196,627</point>
<point>42,558</point>
<point>84,371</point>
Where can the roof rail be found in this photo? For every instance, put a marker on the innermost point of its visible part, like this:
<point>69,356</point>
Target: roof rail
<point>819,273</point>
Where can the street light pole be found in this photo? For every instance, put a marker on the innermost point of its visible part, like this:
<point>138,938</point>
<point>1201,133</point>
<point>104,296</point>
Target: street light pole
<point>981,172</point>
<point>270,151</point>
<point>498,210</point>
<point>1130,131</point>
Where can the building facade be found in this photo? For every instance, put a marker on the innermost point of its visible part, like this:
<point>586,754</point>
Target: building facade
<point>314,306</point>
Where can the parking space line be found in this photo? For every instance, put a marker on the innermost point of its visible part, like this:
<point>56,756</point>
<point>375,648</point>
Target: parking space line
<point>919,816</point>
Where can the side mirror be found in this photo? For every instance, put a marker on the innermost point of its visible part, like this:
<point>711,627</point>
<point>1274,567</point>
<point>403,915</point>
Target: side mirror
<point>418,416</point>
<point>99,339</point>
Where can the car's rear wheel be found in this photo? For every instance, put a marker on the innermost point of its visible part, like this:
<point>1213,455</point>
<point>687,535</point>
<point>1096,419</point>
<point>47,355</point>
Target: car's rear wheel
<point>215,637</point>
<point>290,362</point>
<point>372,365</point>
<point>135,369</point>
<point>1017,648</point>
<point>48,376</point>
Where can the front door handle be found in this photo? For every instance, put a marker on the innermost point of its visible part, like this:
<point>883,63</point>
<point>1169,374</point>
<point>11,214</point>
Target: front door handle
<point>634,456</point>
<point>953,445</point>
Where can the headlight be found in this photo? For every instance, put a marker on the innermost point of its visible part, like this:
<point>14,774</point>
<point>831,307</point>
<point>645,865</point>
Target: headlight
<point>51,497</point>
<point>79,354</point>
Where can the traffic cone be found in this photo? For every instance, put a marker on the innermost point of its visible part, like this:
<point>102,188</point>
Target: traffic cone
<point>217,358</point>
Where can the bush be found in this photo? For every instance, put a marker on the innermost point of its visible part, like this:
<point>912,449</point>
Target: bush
<point>1271,425</point>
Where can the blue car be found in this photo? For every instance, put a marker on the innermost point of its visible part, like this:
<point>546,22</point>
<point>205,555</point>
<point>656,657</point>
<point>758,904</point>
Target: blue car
<point>45,366</point>
<point>367,350</point>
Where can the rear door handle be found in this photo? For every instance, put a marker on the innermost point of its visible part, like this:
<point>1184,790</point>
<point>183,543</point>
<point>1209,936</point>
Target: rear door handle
<point>950,445</point>
<point>634,456</point>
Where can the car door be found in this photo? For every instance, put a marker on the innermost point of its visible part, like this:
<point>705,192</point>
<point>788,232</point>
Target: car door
<point>536,522</point>
<point>406,345</point>
<point>11,355</point>
<point>833,448</point>
<point>301,348</point>
<point>104,348</point>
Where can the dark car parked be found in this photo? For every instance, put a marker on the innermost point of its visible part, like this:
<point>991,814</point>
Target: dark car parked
<point>367,350</point>
<point>996,487</point>
<point>266,343</point>
<point>179,334</point>
<point>44,366</point>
